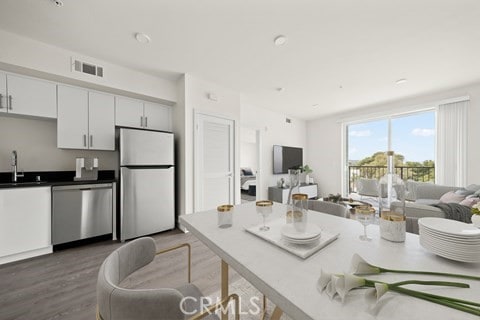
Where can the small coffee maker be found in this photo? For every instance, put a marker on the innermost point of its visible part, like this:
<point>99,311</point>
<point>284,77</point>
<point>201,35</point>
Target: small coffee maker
<point>86,169</point>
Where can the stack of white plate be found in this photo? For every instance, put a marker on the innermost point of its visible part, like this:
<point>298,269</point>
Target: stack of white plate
<point>450,239</point>
<point>311,234</point>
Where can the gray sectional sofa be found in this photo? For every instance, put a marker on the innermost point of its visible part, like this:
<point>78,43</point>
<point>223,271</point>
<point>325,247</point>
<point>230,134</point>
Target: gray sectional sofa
<point>421,197</point>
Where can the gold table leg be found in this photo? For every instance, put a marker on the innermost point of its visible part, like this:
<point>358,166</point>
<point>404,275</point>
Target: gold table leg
<point>277,313</point>
<point>224,286</point>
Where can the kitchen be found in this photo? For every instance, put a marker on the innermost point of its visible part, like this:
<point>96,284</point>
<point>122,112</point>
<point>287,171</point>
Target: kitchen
<point>70,131</point>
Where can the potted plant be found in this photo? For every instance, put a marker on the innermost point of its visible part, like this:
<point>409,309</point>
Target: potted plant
<point>476,215</point>
<point>307,170</point>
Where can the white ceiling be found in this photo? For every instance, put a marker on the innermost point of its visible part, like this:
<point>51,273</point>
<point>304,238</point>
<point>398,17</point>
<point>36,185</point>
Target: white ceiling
<point>340,54</point>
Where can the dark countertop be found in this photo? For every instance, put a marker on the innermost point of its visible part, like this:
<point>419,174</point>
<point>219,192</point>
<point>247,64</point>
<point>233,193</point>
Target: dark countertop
<point>52,178</point>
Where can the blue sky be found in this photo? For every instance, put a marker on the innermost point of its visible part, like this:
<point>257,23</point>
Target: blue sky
<point>412,136</point>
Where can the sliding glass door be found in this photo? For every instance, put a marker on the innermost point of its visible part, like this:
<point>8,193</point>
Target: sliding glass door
<point>410,136</point>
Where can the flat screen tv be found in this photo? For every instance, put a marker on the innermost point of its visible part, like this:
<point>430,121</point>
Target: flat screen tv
<point>285,158</point>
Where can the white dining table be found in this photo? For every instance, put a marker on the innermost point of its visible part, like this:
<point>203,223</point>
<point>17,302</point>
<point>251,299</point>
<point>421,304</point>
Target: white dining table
<point>290,282</point>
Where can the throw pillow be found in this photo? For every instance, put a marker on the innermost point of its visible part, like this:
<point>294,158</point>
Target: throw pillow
<point>470,202</point>
<point>464,192</point>
<point>451,197</point>
<point>477,193</point>
<point>473,187</point>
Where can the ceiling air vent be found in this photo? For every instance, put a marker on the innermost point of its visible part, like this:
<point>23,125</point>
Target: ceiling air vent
<point>88,68</point>
<point>288,120</point>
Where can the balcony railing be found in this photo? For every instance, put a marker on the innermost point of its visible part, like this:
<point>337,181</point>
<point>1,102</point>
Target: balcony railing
<point>423,174</point>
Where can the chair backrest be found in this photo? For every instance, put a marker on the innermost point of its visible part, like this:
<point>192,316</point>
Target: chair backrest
<point>367,187</point>
<point>328,207</point>
<point>115,302</point>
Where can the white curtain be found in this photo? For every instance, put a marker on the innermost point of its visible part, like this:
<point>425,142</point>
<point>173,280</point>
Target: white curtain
<point>451,166</point>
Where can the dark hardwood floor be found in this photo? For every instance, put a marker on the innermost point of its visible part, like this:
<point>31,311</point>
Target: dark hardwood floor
<point>62,285</point>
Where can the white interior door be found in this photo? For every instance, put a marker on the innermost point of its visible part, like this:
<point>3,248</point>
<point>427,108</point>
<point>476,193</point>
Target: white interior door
<point>214,162</point>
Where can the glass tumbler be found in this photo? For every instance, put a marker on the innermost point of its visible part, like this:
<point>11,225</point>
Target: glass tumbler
<point>225,215</point>
<point>299,211</point>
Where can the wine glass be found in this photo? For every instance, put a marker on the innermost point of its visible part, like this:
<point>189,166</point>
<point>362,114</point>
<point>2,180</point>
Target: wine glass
<point>365,215</point>
<point>264,207</point>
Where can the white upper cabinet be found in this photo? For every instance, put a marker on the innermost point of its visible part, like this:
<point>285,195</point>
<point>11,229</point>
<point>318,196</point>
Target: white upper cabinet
<point>3,92</point>
<point>139,114</point>
<point>128,112</point>
<point>32,97</point>
<point>101,121</point>
<point>157,117</point>
<point>86,120</point>
<point>72,123</point>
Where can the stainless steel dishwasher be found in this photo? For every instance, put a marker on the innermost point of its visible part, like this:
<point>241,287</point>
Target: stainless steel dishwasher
<point>82,211</point>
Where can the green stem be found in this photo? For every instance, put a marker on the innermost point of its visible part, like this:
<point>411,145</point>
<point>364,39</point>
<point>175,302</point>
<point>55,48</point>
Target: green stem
<point>443,297</point>
<point>440,300</point>
<point>454,275</point>
<point>431,283</point>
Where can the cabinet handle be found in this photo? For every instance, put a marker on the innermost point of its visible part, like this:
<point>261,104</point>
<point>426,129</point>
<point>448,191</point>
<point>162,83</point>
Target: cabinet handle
<point>85,140</point>
<point>146,122</point>
<point>10,102</point>
<point>141,121</point>
<point>91,140</point>
<point>1,101</point>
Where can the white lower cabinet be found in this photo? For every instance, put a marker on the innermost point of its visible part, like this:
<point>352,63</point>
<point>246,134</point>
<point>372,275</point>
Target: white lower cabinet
<point>25,223</point>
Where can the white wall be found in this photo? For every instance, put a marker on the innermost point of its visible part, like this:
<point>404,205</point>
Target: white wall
<point>24,55</point>
<point>36,144</point>
<point>193,98</point>
<point>274,130</point>
<point>324,135</point>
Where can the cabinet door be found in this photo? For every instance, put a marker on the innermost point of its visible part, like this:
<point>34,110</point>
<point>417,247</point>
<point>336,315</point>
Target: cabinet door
<point>31,97</point>
<point>3,92</point>
<point>158,117</point>
<point>72,123</point>
<point>128,112</point>
<point>25,221</point>
<point>101,121</point>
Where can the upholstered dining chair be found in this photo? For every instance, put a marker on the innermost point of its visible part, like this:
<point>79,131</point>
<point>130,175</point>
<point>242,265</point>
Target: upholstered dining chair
<point>329,207</point>
<point>367,187</point>
<point>115,302</point>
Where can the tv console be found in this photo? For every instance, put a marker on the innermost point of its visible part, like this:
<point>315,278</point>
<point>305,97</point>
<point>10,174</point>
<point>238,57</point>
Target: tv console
<point>281,194</point>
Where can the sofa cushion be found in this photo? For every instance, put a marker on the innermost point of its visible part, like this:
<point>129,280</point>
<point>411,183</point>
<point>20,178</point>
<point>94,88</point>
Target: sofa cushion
<point>451,197</point>
<point>469,202</point>
<point>477,193</point>
<point>427,202</point>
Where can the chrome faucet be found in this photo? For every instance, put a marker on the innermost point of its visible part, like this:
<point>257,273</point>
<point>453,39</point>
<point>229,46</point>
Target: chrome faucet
<point>15,173</point>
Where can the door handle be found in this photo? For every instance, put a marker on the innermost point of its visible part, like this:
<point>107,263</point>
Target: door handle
<point>85,140</point>
<point>91,140</point>
<point>1,101</point>
<point>10,102</point>
<point>230,174</point>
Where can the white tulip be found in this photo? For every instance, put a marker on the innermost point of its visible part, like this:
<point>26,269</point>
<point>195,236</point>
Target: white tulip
<point>323,281</point>
<point>346,283</point>
<point>332,286</point>
<point>359,266</point>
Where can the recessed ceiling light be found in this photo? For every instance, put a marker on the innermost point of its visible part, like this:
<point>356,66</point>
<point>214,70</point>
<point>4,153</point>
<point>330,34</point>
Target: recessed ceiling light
<point>280,40</point>
<point>142,37</point>
<point>400,81</point>
<point>280,89</point>
<point>58,3</point>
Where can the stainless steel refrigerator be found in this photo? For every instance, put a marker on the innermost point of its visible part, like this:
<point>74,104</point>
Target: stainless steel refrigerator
<point>147,197</point>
